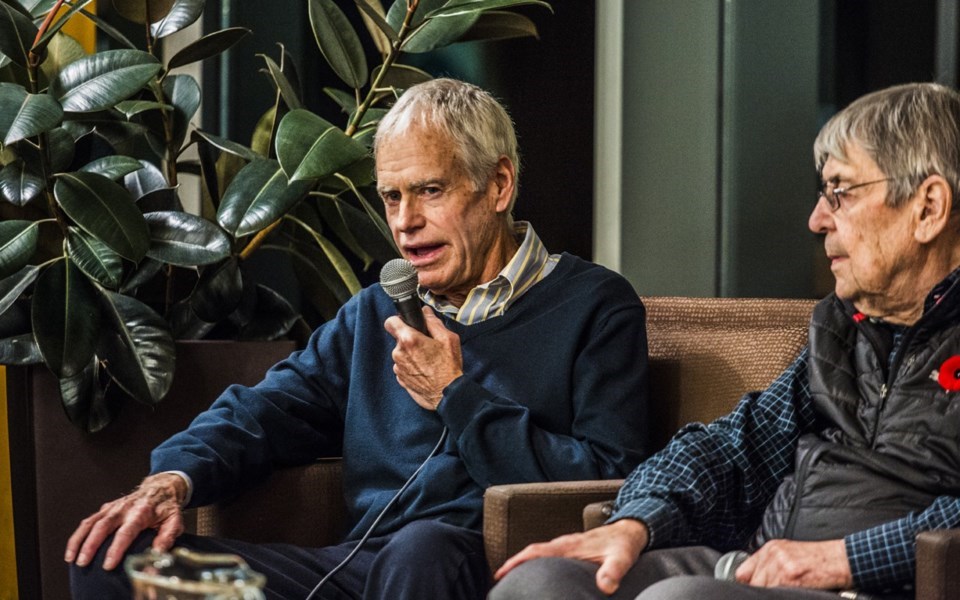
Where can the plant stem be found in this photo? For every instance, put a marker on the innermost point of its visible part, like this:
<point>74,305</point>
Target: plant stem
<point>395,50</point>
<point>33,71</point>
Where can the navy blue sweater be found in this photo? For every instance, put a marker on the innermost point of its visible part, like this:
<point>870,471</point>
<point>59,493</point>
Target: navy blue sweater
<point>555,389</point>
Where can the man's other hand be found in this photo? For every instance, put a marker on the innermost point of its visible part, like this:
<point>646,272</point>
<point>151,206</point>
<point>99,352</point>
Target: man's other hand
<point>785,563</point>
<point>155,504</point>
<point>424,366</point>
<point>615,547</point>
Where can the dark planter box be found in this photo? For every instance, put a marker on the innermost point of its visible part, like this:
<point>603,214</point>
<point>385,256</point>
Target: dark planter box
<point>61,474</point>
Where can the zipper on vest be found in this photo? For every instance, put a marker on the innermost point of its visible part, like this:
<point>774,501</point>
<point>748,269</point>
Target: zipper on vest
<point>799,480</point>
<point>885,388</point>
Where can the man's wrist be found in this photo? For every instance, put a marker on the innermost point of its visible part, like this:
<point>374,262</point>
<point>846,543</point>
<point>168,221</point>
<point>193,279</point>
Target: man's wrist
<point>634,529</point>
<point>180,484</point>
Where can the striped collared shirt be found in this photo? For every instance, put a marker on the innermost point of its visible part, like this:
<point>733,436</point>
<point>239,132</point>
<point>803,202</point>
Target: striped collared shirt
<point>529,265</point>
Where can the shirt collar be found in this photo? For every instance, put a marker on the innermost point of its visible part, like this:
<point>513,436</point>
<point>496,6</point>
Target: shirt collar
<point>527,266</point>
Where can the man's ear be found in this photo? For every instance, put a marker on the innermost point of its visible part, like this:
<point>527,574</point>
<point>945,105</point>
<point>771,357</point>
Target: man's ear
<point>934,208</point>
<point>505,179</point>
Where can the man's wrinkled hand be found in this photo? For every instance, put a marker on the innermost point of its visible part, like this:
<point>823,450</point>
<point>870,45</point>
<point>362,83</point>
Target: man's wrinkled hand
<point>785,563</point>
<point>424,366</point>
<point>615,547</point>
<point>155,504</point>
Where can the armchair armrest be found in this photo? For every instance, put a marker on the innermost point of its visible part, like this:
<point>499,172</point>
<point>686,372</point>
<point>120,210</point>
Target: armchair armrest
<point>298,505</point>
<point>596,514</point>
<point>938,564</point>
<point>519,514</point>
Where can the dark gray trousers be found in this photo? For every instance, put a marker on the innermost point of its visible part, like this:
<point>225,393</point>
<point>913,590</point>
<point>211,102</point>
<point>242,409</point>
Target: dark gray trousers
<point>672,574</point>
<point>424,560</point>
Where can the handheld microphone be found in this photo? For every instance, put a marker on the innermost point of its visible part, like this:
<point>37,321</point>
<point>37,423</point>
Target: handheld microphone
<point>398,279</point>
<point>726,567</point>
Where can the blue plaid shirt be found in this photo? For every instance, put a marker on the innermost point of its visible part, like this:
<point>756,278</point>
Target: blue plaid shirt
<point>712,483</point>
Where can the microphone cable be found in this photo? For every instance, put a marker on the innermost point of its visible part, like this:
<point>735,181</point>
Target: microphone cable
<point>366,535</point>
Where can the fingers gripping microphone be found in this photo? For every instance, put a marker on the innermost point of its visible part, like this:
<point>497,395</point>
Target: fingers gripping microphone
<point>398,279</point>
<point>726,567</point>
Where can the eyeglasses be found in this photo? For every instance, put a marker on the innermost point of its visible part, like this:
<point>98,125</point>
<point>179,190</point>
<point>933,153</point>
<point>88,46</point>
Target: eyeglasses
<point>835,194</point>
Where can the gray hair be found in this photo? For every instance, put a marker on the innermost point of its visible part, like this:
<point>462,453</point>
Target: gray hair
<point>480,128</point>
<point>911,131</point>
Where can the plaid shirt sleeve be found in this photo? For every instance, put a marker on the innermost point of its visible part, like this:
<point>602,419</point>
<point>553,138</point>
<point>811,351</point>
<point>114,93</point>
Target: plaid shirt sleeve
<point>884,557</point>
<point>712,483</point>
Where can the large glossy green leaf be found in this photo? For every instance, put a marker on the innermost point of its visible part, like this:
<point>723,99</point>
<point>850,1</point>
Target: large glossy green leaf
<point>463,7</point>
<point>258,196</point>
<point>185,240</point>
<point>13,286</point>
<point>61,51</point>
<point>85,401</point>
<point>272,318</point>
<point>181,15</point>
<point>65,317</point>
<point>112,167</point>
<point>338,42</point>
<point>18,242</point>
<point>143,11</point>
<point>35,114</point>
<point>219,291</point>
<point>99,81</point>
<point>287,91</point>
<point>435,33</point>
<point>183,93</point>
<point>18,185</point>
<point>105,210</point>
<point>17,33</point>
<point>94,258</point>
<point>20,350</point>
<point>209,45</point>
<point>309,147</point>
<point>501,25</point>
<point>137,347</point>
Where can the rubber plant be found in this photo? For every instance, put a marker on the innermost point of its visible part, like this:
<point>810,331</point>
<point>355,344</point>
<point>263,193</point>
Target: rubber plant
<point>101,268</point>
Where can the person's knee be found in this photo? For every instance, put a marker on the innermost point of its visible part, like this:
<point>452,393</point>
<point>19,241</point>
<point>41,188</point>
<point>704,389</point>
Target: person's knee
<point>438,541</point>
<point>93,582</point>
<point>547,578</point>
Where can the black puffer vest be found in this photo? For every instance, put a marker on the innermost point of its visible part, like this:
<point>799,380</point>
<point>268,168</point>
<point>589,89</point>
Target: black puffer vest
<point>887,440</point>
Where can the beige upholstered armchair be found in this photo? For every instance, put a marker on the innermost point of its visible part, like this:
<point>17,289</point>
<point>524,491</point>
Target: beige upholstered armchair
<point>705,353</point>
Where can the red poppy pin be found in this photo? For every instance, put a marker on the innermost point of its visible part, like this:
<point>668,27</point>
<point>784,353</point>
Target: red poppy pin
<point>948,375</point>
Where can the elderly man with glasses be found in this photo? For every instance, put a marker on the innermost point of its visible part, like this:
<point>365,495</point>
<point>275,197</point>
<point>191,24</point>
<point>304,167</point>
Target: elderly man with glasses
<point>825,478</point>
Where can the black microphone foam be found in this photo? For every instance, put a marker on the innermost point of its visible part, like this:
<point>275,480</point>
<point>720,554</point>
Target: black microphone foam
<point>398,279</point>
